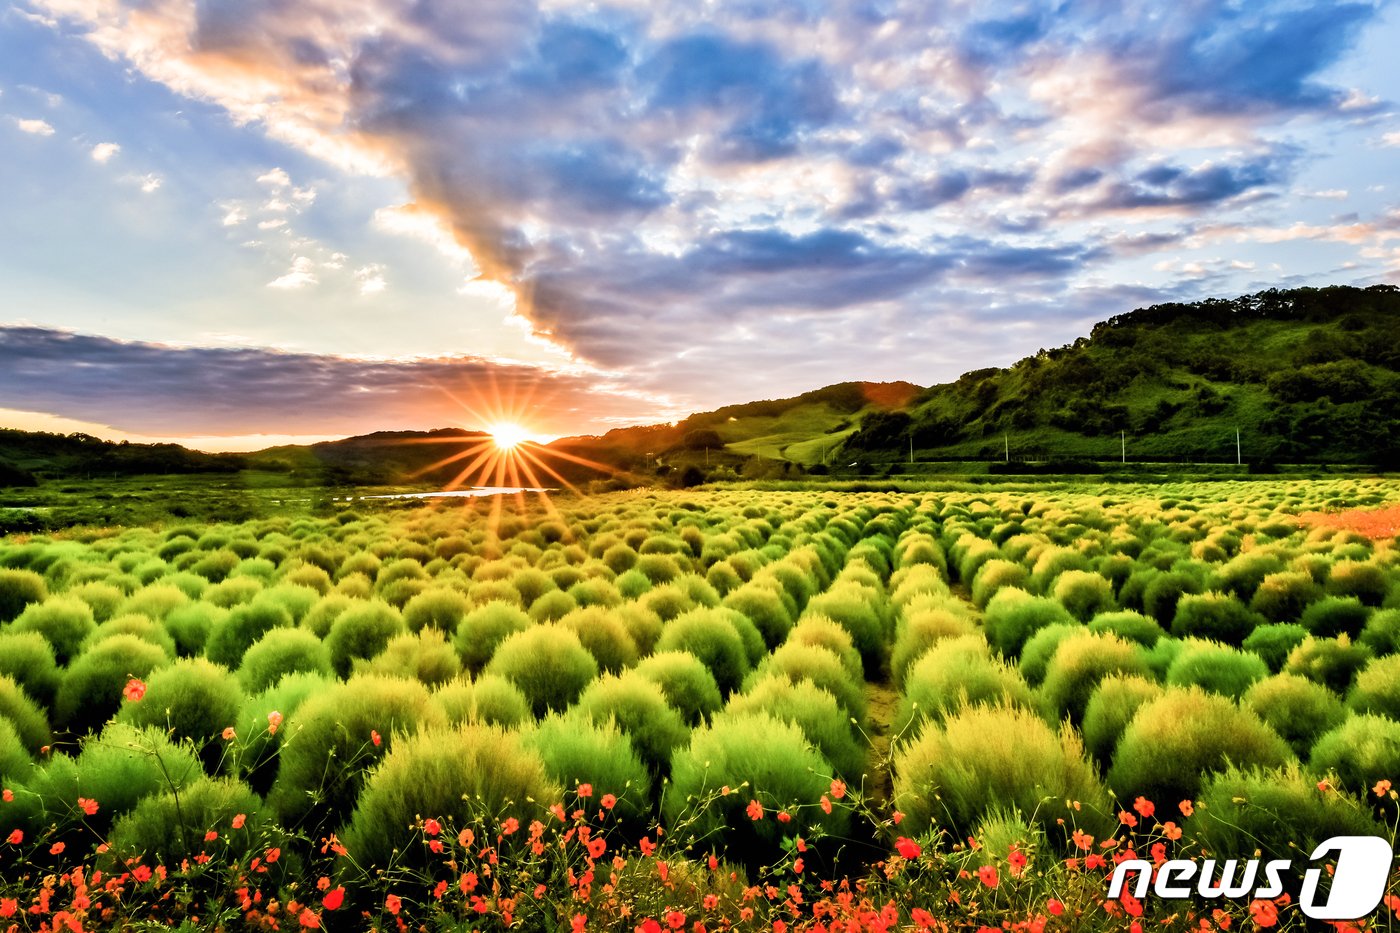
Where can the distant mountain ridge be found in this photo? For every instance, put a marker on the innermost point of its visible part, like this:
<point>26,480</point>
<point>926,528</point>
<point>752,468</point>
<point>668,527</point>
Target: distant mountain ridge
<point>1304,375</point>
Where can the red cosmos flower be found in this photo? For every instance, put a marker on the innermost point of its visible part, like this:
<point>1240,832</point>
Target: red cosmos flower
<point>1186,808</point>
<point>57,848</point>
<point>1171,831</point>
<point>229,734</point>
<point>393,904</point>
<point>1382,788</point>
<point>1017,861</point>
<point>510,825</point>
<point>1144,807</point>
<point>308,919</point>
<point>134,690</point>
<point>1127,819</point>
<point>798,865</point>
<point>141,873</point>
<point>784,816</point>
<point>647,846</point>
<point>466,838</point>
<point>274,722</point>
<point>431,827</point>
<point>87,805</point>
<point>239,820</point>
<point>8,907</point>
<point>375,738</point>
<point>755,810</point>
<point>826,804</point>
<point>16,837</point>
<point>908,848</point>
<point>608,802</point>
<point>8,796</point>
<point>596,847</point>
<point>585,790</point>
<point>648,926</point>
<point>896,817</point>
<point>273,855</point>
<point>1055,906</point>
<point>675,919</point>
<point>1265,913</point>
<point>578,924</point>
<point>987,874</point>
<point>838,789</point>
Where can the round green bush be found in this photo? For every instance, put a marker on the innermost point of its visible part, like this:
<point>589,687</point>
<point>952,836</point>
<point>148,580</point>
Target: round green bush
<point>361,632</point>
<point>241,629</point>
<point>1041,647</point>
<point>1336,615</point>
<point>1110,708</point>
<point>1275,642</point>
<point>169,828</point>
<point>18,589</point>
<point>602,633</point>
<point>551,606</point>
<point>424,656</point>
<point>498,702</point>
<point>686,682</point>
<point>92,686</point>
<point>1242,574</point>
<point>1213,616</point>
<point>821,632</point>
<point>1164,591</point>
<point>28,659</point>
<point>996,575</point>
<point>1077,668</point>
<point>1178,739</point>
<point>190,626</point>
<point>639,708</point>
<point>63,621</point>
<point>256,746</point>
<point>102,598</point>
<point>141,626</point>
<point>322,615</point>
<point>28,719</point>
<point>438,608</point>
<point>155,602</point>
<point>193,700</point>
<point>15,762</point>
<point>919,631</point>
<point>642,624</point>
<point>1332,662</point>
<point>454,775</point>
<point>576,750</point>
<point>281,652</point>
<point>548,663</point>
<point>1276,813</point>
<point>1382,632</point>
<point>1377,688</point>
<point>813,710</point>
<point>954,772</point>
<point>1296,708</point>
<point>1217,668</point>
<point>1083,593</point>
<point>330,746</point>
<point>1361,751</point>
<point>1128,624</point>
<point>851,607</point>
<point>759,758</point>
<point>953,674</point>
<point>1013,616</point>
<point>797,662</point>
<point>1365,580</point>
<point>765,608</point>
<point>709,635</point>
<point>482,630</point>
<point>1282,597</point>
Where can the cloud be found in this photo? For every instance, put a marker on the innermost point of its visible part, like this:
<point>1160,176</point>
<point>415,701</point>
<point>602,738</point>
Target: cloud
<point>160,390</point>
<point>102,152</point>
<point>370,279</point>
<point>150,183</point>
<point>300,275</point>
<point>34,127</point>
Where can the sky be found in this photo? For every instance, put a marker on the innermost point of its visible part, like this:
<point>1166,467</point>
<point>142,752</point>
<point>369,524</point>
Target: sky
<point>234,223</point>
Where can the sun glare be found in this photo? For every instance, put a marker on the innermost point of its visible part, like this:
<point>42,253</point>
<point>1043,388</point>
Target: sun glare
<point>507,436</point>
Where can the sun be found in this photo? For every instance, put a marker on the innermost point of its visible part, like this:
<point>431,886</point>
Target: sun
<point>507,435</point>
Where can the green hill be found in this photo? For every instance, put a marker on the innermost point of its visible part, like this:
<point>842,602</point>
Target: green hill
<point>1308,375</point>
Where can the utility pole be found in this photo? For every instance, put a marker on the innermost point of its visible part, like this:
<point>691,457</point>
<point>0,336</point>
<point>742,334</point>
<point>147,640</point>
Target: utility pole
<point>911,448</point>
<point>1238,459</point>
<point>1006,439</point>
<point>707,456</point>
<point>1123,443</point>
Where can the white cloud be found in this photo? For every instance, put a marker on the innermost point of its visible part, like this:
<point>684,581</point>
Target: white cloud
<point>233,215</point>
<point>104,151</point>
<point>272,224</point>
<point>34,127</point>
<point>151,182</point>
<point>1391,139</point>
<point>299,275</point>
<point>371,279</point>
<point>276,177</point>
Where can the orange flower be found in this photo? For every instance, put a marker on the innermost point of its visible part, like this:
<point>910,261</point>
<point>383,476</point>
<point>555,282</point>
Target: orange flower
<point>987,874</point>
<point>308,919</point>
<point>585,790</point>
<point>1055,906</point>
<point>274,722</point>
<point>826,804</point>
<point>393,904</point>
<point>838,789</point>
<point>431,827</point>
<point>87,805</point>
<point>510,825</point>
<point>1186,808</point>
<point>907,848</point>
<point>608,802</point>
<point>1144,807</point>
<point>229,734</point>
<point>134,690</point>
<point>1171,831</point>
<point>1265,913</point>
<point>7,795</point>
<point>896,817</point>
<point>239,820</point>
<point>648,926</point>
<point>375,738</point>
<point>675,919</point>
<point>798,865</point>
<point>16,837</point>
<point>1382,788</point>
<point>57,848</point>
<point>784,816</point>
<point>755,810</point>
<point>1017,860</point>
<point>596,847</point>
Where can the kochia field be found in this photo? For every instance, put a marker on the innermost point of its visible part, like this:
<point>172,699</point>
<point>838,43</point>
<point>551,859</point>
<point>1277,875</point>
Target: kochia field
<point>729,709</point>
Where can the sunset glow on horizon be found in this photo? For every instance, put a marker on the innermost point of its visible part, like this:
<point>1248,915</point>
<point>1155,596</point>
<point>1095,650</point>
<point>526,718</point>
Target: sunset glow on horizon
<point>235,223</point>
